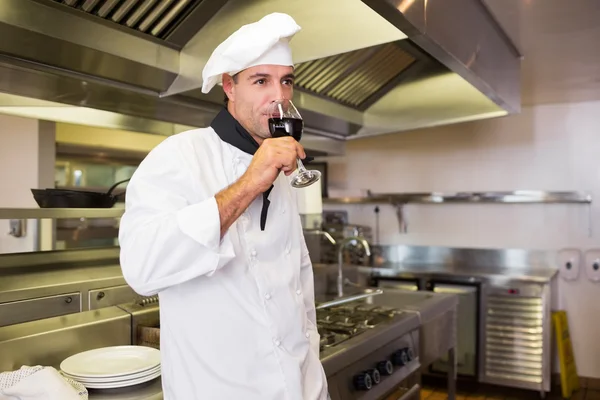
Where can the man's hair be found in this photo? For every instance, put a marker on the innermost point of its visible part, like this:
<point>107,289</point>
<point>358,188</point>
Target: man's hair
<point>226,99</point>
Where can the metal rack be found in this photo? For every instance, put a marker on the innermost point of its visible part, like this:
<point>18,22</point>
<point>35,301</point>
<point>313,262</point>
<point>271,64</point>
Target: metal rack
<point>60,213</point>
<point>513,197</point>
<point>399,200</point>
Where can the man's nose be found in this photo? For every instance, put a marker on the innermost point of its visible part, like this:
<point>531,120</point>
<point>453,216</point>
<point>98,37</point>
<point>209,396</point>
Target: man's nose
<point>279,92</point>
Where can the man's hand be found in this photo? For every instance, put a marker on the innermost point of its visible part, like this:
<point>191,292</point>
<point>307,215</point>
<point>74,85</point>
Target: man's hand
<point>273,156</point>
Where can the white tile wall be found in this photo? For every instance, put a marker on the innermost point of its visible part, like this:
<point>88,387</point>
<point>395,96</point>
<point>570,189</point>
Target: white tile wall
<point>27,154</point>
<point>550,147</point>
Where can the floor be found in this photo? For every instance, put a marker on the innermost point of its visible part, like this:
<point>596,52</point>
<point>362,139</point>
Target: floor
<point>437,391</point>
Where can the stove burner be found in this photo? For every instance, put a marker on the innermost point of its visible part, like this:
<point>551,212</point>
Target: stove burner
<point>338,324</point>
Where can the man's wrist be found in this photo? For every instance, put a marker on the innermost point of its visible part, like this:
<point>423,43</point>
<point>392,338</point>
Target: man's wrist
<point>247,188</point>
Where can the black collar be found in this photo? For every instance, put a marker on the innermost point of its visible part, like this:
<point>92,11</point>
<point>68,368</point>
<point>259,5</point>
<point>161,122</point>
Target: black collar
<point>232,132</point>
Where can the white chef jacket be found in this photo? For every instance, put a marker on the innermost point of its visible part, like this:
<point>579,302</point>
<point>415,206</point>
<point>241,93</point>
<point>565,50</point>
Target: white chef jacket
<point>237,315</point>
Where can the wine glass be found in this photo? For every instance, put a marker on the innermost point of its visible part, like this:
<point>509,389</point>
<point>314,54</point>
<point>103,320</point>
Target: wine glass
<point>285,120</point>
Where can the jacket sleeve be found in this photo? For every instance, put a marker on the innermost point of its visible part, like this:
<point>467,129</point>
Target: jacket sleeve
<point>168,234</point>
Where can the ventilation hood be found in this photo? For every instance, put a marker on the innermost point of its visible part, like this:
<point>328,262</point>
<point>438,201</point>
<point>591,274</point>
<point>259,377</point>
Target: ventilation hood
<point>364,67</point>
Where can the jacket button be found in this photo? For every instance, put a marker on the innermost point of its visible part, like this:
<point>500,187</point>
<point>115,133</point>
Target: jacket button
<point>298,292</point>
<point>267,296</point>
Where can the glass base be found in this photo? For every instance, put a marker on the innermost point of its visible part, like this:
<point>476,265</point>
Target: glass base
<point>305,178</point>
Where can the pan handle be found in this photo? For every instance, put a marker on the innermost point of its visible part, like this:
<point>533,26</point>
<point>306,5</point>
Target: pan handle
<point>113,187</point>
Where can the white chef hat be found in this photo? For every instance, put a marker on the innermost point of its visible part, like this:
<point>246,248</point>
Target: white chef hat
<point>263,42</point>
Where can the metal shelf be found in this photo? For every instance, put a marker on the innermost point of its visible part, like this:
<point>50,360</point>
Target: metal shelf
<point>515,197</point>
<point>58,213</point>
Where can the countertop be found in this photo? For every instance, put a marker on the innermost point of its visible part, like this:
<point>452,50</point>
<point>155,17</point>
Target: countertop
<point>398,270</point>
<point>146,391</point>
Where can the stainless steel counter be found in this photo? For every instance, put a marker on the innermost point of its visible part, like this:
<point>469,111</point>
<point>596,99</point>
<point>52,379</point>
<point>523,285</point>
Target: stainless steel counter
<point>146,391</point>
<point>458,272</point>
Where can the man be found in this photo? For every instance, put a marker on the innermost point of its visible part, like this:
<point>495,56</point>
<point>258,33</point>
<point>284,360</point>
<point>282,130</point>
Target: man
<point>212,226</point>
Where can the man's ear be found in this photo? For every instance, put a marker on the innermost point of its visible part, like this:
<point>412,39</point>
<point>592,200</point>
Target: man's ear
<point>229,87</point>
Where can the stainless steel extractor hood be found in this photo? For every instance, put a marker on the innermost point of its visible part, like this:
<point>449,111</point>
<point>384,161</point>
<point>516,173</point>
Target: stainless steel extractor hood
<point>364,67</point>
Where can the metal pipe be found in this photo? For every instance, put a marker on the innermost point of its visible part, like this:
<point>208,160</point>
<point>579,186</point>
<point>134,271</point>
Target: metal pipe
<point>320,232</point>
<point>348,299</point>
<point>345,241</point>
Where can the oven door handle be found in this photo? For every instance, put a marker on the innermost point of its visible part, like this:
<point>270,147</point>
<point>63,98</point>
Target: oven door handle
<point>414,393</point>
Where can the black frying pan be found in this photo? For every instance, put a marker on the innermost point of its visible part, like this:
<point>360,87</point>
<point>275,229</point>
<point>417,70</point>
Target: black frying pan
<point>60,198</point>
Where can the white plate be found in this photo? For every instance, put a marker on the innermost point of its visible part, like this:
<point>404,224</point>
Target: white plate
<point>112,361</point>
<point>121,384</point>
<point>113,378</point>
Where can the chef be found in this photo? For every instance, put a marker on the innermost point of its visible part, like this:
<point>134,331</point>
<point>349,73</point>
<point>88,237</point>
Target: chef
<point>212,226</point>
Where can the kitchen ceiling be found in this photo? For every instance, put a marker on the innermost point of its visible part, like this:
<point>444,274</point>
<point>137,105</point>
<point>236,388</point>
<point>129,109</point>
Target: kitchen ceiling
<point>364,67</point>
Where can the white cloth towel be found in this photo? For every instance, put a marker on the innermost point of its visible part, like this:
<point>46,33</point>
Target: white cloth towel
<point>39,383</point>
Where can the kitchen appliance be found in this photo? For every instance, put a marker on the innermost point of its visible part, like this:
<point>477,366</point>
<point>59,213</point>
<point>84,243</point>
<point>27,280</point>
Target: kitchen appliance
<point>62,198</point>
<point>348,78</point>
<point>504,327</point>
<point>369,351</point>
<point>516,335</point>
<point>467,314</point>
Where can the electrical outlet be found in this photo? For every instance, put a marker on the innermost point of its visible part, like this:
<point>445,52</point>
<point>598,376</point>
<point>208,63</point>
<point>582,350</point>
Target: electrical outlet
<point>592,265</point>
<point>569,261</point>
<point>18,227</point>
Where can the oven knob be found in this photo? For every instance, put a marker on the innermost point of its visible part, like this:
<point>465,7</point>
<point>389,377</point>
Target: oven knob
<point>375,376</point>
<point>400,358</point>
<point>363,381</point>
<point>385,368</point>
<point>410,354</point>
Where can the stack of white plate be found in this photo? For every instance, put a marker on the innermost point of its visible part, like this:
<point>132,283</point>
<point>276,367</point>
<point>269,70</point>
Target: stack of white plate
<point>113,367</point>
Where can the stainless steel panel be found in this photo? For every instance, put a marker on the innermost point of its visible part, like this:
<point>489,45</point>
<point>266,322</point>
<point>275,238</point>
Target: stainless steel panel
<point>55,213</point>
<point>478,51</point>
<point>512,264</point>
<point>511,197</point>
<point>355,77</point>
<point>120,105</point>
<point>36,259</point>
<point>111,296</point>
<point>123,10</point>
<point>169,17</point>
<point>52,280</point>
<point>144,7</point>
<point>143,14</point>
<point>28,343</point>
<point>107,7</point>
<point>491,61</point>
<point>516,337</point>
<point>16,312</point>
<point>66,40</point>
<point>154,15</point>
<point>141,315</point>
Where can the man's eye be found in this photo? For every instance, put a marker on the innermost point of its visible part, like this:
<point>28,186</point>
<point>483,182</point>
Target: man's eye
<point>289,82</point>
<point>260,82</point>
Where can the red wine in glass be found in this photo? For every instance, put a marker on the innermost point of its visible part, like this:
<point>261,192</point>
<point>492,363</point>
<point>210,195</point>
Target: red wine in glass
<point>286,126</point>
<point>285,120</point>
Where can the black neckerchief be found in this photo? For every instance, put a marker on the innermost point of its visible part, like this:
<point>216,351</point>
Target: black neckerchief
<point>232,132</point>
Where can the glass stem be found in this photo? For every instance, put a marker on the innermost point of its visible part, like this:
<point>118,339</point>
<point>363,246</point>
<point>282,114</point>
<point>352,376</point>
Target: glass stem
<point>300,165</point>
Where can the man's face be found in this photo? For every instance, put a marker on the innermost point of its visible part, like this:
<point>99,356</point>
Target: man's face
<point>251,92</point>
